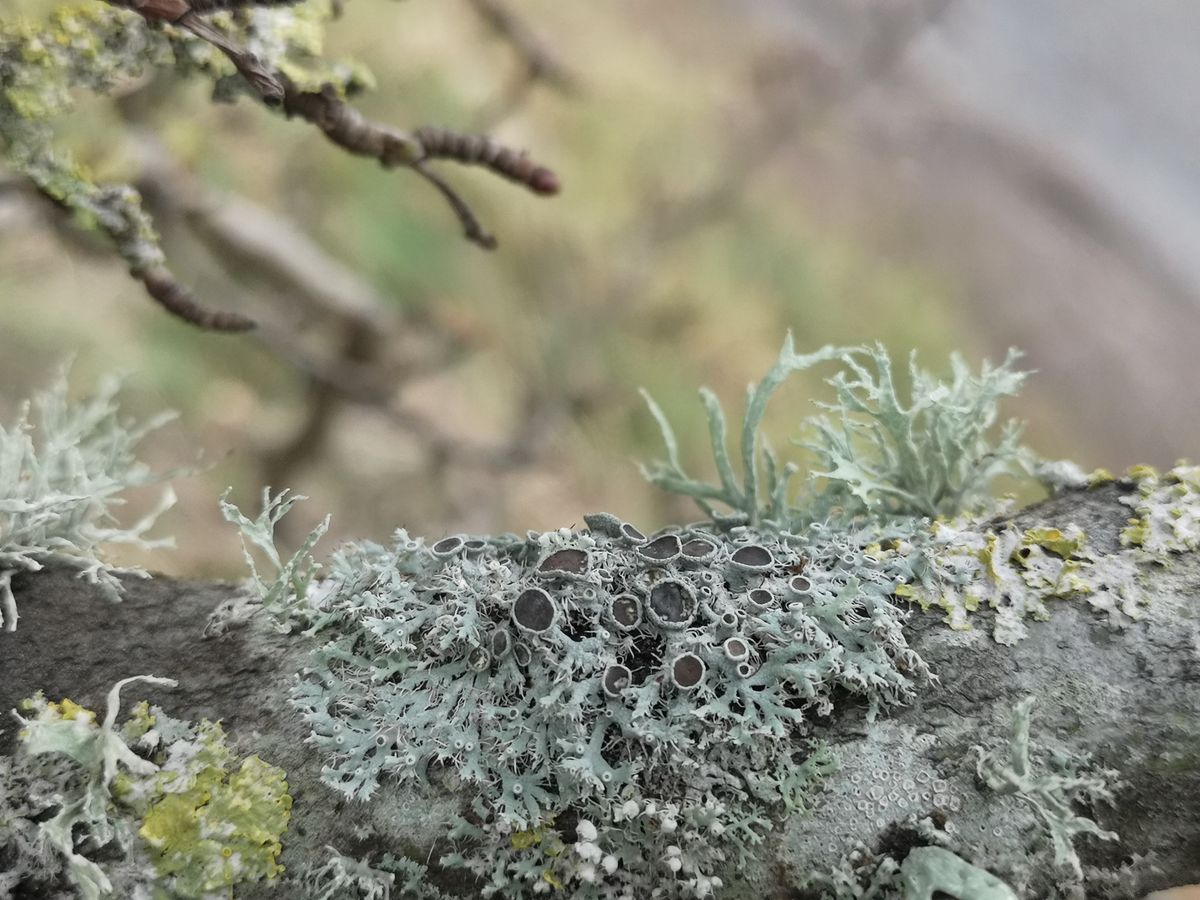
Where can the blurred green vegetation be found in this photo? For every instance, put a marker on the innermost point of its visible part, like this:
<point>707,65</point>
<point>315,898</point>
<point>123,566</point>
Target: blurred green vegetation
<point>585,298</point>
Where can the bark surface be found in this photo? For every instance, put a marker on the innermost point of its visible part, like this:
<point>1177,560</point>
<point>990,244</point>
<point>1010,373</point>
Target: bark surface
<point>1130,697</point>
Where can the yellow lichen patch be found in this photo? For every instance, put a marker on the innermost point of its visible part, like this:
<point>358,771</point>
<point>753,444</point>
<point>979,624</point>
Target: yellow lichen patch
<point>210,828</point>
<point>1168,511</point>
<point>531,837</point>
<point>68,709</point>
<point>140,721</point>
<point>1063,544</point>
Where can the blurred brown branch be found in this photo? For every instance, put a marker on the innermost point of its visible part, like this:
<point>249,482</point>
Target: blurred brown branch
<point>359,349</point>
<point>342,125</point>
<point>540,63</point>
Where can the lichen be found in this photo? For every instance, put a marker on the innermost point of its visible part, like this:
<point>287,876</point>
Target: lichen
<point>160,796</point>
<point>84,759</point>
<point>661,687</point>
<point>209,826</point>
<point>342,877</point>
<point>1048,783</point>
<point>624,709</point>
<point>876,455</point>
<point>928,871</point>
<point>1168,511</point>
<point>64,468</point>
<point>1017,573</point>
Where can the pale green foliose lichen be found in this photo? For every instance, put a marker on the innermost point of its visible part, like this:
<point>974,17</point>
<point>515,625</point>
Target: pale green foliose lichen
<point>928,871</point>
<point>175,818</point>
<point>342,877</point>
<point>1168,511</point>
<point>658,688</point>
<point>1049,783</point>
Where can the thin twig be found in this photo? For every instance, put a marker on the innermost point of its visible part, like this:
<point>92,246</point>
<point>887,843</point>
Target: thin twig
<point>473,229</point>
<point>176,299</point>
<point>346,127</point>
<point>481,150</point>
<point>119,215</point>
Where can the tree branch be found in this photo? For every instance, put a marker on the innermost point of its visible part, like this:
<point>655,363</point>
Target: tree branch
<point>541,62</point>
<point>349,129</point>
<point>1129,697</point>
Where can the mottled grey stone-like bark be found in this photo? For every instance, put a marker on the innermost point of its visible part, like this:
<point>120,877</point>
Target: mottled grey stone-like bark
<point>1130,697</point>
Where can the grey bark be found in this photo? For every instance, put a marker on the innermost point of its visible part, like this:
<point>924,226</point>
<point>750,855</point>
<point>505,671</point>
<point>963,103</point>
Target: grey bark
<point>1130,697</point>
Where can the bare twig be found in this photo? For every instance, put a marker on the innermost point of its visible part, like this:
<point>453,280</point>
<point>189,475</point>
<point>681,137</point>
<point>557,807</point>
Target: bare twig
<point>349,129</point>
<point>176,299</point>
<point>473,229</point>
<point>480,150</point>
<point>119,215</point>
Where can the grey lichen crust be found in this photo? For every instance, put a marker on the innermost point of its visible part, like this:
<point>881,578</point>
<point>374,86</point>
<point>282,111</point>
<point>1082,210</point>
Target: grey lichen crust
<point>625,710</point>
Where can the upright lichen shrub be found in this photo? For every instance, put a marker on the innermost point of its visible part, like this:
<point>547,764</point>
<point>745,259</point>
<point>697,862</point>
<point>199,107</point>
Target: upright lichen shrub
<point>877,455</point>
<point>64,469</point>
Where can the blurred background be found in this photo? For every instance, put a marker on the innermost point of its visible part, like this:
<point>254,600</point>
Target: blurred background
<point>932,174</point>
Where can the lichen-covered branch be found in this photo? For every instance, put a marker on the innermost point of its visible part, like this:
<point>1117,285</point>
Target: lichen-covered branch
<point>905,810</point>
<point>274,55</point>
<point>720,709</point>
